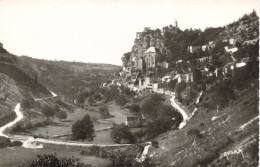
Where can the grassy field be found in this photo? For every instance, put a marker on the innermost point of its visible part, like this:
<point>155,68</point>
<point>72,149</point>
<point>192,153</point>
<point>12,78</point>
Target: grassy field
<point>64,127</point>
<point>9,158</point>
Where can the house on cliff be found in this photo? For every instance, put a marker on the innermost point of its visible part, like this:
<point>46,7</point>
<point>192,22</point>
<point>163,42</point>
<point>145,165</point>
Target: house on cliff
<point>150,57</point>
<point>193,49</point>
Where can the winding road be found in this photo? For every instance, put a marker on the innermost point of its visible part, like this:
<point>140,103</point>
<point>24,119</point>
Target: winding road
<point>30,142</point>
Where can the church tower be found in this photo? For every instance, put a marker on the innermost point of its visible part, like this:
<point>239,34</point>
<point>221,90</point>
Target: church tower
<point>176,24</point>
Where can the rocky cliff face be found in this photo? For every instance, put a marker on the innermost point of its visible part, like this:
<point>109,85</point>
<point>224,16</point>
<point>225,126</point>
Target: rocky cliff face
<point>172,43</point>
<point>246,28</point>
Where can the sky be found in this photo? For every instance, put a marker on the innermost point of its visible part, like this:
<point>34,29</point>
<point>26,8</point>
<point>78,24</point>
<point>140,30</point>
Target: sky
<point>101,31</point>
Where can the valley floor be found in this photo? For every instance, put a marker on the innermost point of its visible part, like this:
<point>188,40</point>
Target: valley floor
<point>101,126</point>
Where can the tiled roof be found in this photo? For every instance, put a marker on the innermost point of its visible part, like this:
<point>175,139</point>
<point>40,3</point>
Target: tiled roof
<point>150,50</point>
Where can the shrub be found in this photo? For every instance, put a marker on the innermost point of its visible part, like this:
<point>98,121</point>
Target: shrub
<point>195,133</point>
<point>94,151</point>
<point>51,160</point>
<point>120,132</point>
<point>61,115</point>
<point>155,144</point>
<point>126,159</point>
<point>151,106</point>
<point>104,112</point>
<point>83,129</point>
<point>48,111</point>
<point>134,108</point>
<point>18,127</point>
<point>223,93</point>
<point>16,143</point>
<point>82,97</point>
<point>56,108</point>
<point>172,84</point>
<point>121,100</point>
<point>5,142</point>
<point>27,103</point>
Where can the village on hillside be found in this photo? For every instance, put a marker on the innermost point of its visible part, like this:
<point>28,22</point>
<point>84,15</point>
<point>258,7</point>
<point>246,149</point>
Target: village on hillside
<point>142,66</point>
<point>182,98</point>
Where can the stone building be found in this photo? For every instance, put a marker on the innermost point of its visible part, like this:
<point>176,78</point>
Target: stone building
<point>193,49</point>
<point>150,58</point>
<point>139,35</point>
<point>139,63</point>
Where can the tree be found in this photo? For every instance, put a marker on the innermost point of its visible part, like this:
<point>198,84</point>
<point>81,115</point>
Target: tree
<point>51,160</point>
<point>150,107</point>
<point>91,100</point>
<point>82,96</point>
<point>120,132</point>
<point>83,129</point>
<point>61,115</point>
<point>5,142</point>
<point>48,111</point>
<point>27,103</point>
<point>56,108</point>
<point>135,108</point>
<point>127,159</point>
<point>121,100</point>
<point>104,112</point>
<point>179,88</point>
<point>223,93</point>
<point>166,118</point>
<point>125,58</point>
<point>197,76</point>
<point>35,79</point>
<point>172,84</point>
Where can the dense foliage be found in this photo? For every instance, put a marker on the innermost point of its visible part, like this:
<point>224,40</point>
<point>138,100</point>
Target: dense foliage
<point>47,111</point>
<point>159,117</point>
<point>61,115</point>
<point>51,160</point>
<point>83,129</point>
<point>121,132</point>
<point>125,159</point>
<point>104,112</point>
<point>5,142</point>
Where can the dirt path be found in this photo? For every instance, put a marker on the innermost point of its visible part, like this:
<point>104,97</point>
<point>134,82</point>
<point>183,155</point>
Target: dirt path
<point>10,124</point>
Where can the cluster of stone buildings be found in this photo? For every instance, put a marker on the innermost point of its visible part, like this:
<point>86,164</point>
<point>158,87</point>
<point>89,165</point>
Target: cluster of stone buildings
<point>147,48</point>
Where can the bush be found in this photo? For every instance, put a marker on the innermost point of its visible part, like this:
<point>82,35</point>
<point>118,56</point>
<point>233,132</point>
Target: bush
<point>121,132</point>
<point>134,108</point>
<point>121,100</point>
<point>104,112</point>
<point>195,133</point>
<point>94,151</point>
<point>61,115</point>
<point>151,106</point>
<point>48,111</point>
<point>56,108</point>
<point>126,159</point>
<point>18,127</point>
<point>5,142</point>
<point>83,129</point>
<point>82,97</point>
<point>155,144</point>
<point>16,143</point>
<point>51,160</point>
<point>222,94</point>
<point>27,103</point>
<point>172,84</point>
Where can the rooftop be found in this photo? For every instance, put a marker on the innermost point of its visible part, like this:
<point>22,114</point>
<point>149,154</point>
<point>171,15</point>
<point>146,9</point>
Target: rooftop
<point>151,49</point>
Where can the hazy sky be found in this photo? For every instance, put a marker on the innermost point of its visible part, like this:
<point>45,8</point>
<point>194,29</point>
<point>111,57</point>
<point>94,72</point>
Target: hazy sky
<point>101,31</point>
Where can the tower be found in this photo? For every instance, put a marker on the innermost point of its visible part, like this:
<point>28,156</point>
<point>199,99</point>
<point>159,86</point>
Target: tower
<point>176,23</point>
